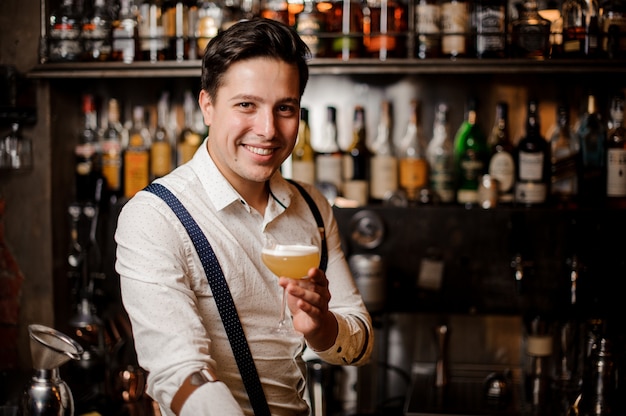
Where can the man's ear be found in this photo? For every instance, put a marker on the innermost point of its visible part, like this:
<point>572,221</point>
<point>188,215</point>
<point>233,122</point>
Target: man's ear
<point>206,106</point>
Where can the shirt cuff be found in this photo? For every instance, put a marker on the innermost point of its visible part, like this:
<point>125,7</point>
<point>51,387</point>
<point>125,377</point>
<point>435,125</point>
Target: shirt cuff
<point>352,340</point>
<point>211,399</point>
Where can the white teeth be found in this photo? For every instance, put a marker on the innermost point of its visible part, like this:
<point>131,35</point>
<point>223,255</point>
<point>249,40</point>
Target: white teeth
<point>259,151</point>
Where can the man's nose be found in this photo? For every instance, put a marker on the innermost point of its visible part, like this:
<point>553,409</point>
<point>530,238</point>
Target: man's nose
<point>266,123</point>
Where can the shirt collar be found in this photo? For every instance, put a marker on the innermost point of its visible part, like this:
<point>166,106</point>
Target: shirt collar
<point>222,194</point>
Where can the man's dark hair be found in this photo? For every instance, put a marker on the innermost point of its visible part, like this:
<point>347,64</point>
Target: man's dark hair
<point>258,37</point>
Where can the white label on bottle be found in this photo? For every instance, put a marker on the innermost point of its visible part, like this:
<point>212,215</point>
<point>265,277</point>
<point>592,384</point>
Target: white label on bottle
<point>530,166</point>
<point>356,190</point>
<point>329,169</point>
<point>427,17</point>
<point>616,173</point>
<point>384,176</point>
<point>303,171</point>
<point>530,192</point>
<point>502,168</point>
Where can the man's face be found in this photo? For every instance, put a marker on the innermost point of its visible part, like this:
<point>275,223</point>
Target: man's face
<point>253,123</point>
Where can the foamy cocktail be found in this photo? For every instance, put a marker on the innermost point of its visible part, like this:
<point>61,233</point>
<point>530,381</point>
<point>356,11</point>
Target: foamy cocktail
<point>291,260</point>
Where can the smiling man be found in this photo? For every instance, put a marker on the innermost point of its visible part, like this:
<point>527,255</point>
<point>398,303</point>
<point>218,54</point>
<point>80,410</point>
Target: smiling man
<point>253,78</point>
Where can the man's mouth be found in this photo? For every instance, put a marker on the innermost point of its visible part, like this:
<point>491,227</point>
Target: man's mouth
<point>259,150</point>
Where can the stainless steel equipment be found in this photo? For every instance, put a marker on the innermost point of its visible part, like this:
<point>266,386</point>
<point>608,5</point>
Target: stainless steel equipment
<point>47,394</point>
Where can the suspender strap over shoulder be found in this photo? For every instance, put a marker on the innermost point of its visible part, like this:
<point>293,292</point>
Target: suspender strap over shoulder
<point>224,300</point>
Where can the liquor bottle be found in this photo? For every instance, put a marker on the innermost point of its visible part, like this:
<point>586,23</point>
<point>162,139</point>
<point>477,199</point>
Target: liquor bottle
<point>210,17</point>
<point>152,42</point>
<point>613,28</point>
<point>574,31</point>
<point>345,29</point>
<point>16,150</point>
<point>64,33</point>
<point>427,29</point>
<point>161,157</point>
<point>125,33</point>
<point>87,153</point>
<point>490,19</point>
<point>616,156</point>
<point>592,44</point>
<point>175,16</point>
<point>591,134</point>
<point>137,155</point>
<point>302,157</point>
<point>113,137</point>
<point>599,395</point>
<point>530,33</point>
<point>532,161</point>
<point>455,28</point>
<point>440,157</point>
<point>502,160</point>
<point>413,166</point>
<point>564,153</point>
<point>384,164</point>
<point>328,155</point>
<point>385,24</point>
<point>96,33</point>
<point>537,367</point>
<point>357,161</point>
<point>189,139</point>
<point>310,24</point>
<point>470,157</point>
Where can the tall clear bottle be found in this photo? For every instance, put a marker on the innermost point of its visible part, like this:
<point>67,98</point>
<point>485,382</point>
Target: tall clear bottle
<point>190,139</point>
<point>384,164</point>
<point>302,157</point>
<point>113,137</point>
<point>137,155</point>
<point>161,154</point>
<point>97,32</point>
<point>357,161</point>
<point>440,157</point>
<point>502,160</point>
<point>564,154</point>
<point>471,157</point>
<point>328,153</point>
<point>533,162</point>
<point>591,134</point>
<point>413,166</point>
<point>125,33</point>
<point>152,42</point>
<point>616,156</point>
<point>64,33</point>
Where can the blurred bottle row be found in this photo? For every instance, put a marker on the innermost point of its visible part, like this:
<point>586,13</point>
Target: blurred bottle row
<point>156,30</point>
<point>129,153</point>
<point>579,163</point>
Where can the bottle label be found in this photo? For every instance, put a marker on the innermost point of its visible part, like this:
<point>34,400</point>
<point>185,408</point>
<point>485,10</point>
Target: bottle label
<point>329,169</point>
<point>160,159</point>
<point>530,192</point>
<point>413,175</point>
<point>427,17</point>
<point>530,166</point>
<point>136,172</point>
<point>454,27</point>
<point>384,176</point>
<point>356,190</point>
<point>502,168</point>
<point>490,29</point>
<point>616,173</point>
<point>303,171</point>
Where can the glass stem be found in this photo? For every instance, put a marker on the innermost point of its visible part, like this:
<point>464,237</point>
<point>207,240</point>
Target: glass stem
<point>281,323</point>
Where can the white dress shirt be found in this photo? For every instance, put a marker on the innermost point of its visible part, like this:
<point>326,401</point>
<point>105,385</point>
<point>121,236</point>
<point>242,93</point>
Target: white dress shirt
<point>176,325</point>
